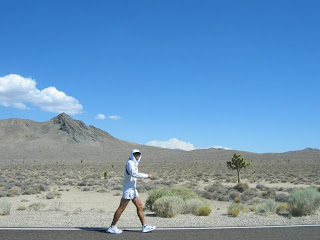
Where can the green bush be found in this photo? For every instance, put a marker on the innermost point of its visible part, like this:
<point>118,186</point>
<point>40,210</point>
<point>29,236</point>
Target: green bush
<point>181,192</point>
<point>192,206</point>
<point>169,206</point>
<point>304,202</point>
<point>268,207</point>
<point>156,194</point>
<point>184,193</point>
<point>5,207</point>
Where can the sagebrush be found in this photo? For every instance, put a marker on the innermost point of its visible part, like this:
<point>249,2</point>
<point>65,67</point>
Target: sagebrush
<point>304,202</point>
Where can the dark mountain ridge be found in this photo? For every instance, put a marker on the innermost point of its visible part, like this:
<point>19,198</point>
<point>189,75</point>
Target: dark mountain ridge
<point>67,140</point>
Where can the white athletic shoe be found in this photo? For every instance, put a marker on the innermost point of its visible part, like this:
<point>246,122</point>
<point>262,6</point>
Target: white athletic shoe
<point>147,228</point>
<point>114,230</point>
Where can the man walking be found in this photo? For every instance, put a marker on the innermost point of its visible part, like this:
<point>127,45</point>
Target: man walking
<point>130,192</point>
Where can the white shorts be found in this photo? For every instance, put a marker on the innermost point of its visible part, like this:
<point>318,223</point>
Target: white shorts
<point>130,193</point>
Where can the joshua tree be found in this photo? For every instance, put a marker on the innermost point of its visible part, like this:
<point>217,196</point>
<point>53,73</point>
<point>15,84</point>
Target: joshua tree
<point>237,163</point>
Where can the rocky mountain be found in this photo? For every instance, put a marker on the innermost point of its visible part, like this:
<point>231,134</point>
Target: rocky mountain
<point>66,140</point>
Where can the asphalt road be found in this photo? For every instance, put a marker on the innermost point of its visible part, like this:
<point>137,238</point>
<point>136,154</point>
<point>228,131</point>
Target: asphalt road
<point>277,233</point>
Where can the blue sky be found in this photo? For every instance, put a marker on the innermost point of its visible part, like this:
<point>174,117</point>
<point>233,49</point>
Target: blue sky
<point>190,74</point>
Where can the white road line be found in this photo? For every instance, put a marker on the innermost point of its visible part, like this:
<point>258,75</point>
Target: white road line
<point>157,229</point>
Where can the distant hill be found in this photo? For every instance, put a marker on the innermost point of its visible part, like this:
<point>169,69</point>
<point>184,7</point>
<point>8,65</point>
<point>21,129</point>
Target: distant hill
<point>67,140</point>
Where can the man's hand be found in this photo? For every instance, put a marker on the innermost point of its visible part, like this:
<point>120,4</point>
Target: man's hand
<point>149,175</point>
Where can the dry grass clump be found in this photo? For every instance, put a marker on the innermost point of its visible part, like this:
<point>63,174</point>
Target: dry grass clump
<point>204,210</point>
<point>22,207</point>
<point>241,187</point>
<point>283,208</point>
<point>237,200</point>
<point>235,209</point>
<point>37,206</point>
<point>5,207</point>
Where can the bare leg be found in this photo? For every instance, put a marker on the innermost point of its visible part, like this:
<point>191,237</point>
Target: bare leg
<point>137,202</point>
<point>121,208</point>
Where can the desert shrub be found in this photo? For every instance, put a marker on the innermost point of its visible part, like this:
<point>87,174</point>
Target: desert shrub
<point>192,205</point>
<point>249,194</point>
<point>268,207</point>
<point>208,195</point>
<point>281,189</point>
<point>15,191</point>
<point>204,210</point>
<point>241,187</point>
<point>50,195</point>
<point>169,206</point>
<point>149,186</point>
<point>196,207</point>
<point>35,189</point>
<point>236,208</point>
<point>5,207</point>
<point>260,187</point>
<point>43,188</point>
<point>253,208</point>
<point>256,200</point>
<point>118,188</point>
<point>281,197</point>
<point>214,187</point>
<point>282,207</point>
<point>22,207</point>
<point>184,193</point>
<point>153,195</point>
<point>304,201</point>
<point>181,192</point>
<point>37,206</point>
<point>234,195</point>
<point>223,197</point>
<point>82,184</point>
<point>237,200</point>
<point>269,194</point>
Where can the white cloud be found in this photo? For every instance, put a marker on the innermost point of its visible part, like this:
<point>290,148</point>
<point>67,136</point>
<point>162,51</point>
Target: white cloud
<point>100,117</point>
<point>114,117</point>
<point>220,147</point>
<point>16,91</point>
<point>172,143</point>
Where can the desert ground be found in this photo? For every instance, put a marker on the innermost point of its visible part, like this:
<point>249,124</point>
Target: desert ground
<point>86,195</point>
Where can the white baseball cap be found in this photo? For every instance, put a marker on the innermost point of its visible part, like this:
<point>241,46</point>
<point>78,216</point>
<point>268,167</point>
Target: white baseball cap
<point>135,151</point>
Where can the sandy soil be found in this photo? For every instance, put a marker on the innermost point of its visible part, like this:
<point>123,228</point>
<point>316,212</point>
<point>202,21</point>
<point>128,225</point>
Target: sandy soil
<point>75,208</point>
